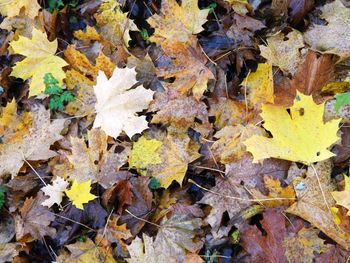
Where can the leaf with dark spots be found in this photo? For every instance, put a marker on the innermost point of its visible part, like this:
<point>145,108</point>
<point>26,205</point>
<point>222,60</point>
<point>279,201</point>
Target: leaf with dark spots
<point>93,216</point>
<point>269,247</point>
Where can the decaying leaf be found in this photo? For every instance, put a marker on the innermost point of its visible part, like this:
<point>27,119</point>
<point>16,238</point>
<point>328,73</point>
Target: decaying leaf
<point>34,219</point>
<point>332,37</point>
<point>342,198</point>
<point>98,162</point>
<point>176,236</point>
<point>54,191</point>
<point>40,59</point>
<point>282,53</point>
<point>177,22</point>
<point>299,136</point>
<point>117,104</point>
<point>27,137</point>
<point>13,8</point>
<point>79,193</point>
<point>241,7</point>
<point>311,205</point>
<point>259,85</point>
<point>114,24</point>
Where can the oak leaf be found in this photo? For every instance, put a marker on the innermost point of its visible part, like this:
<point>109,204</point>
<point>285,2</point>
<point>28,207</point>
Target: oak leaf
<point>283,51</point>
<point>80,194</point>
<point>342,198</point>
<point>13,8</point>
<point>54,191</point>
<point>117,104</point>
<point>334,36</point>
<point>40,59</point>
<point>27,137</point>
<point>301,136</point>
<point>177,22</point>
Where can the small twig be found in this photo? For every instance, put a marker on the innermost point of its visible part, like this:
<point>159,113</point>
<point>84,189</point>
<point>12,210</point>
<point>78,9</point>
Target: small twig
<point>239,198</point>
<point>76,222</point>
<point>141,219</point>
<point>208,168</point>
<point>37,174</point>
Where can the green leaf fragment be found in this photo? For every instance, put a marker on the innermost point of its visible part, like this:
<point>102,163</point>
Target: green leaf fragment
<point>2,196</point>
<point>342,100</point>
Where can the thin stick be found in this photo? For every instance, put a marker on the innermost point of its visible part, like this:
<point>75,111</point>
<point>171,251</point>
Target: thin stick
<point>141,219</point>
<point>76,222</point>
<point>241,199</point>
<point>37,174</point>
<point>208,168</point>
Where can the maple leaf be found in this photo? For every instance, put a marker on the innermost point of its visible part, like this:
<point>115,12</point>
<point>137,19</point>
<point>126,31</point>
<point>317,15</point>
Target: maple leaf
<point>145,252</point>
<point>241,7</point>
<point>334,36</point>
<point>342,197</point>
<point>313,208</point>
<point>95,162</point>
<point>12,8</point>
<point>54,191</point>
<point>34,219</point>
<point>88,251</point>
<point>114,24</point>
<point>301,136</point>
<point>144,153</point>
<point>267,247</point>
<point>176,236</point>
<point>40,59</point>
<point>177,22</point>
<point>27,137</point>
<point>302,246</point>
<point>80,194</point>
<point>117,104</point>
<point>283,53</point>
<point>260,85</point>
<point>8,251</point>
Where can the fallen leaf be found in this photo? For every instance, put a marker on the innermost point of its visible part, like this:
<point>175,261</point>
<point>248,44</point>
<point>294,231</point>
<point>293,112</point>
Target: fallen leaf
<point>95,162</point>
<point>259,85</point>
<point>145,252</point>
<point>177,23</point>
<point>79,193</point>
<point>311,205</point>
<point>283,51</point>
<point>114,24</point>
<point>144,153</point>
<point>34,219</point>
<point>116,105</point>
<point>302,246</point>
<point>230,145</point>
<point>40,59</point>
<point>241,7</point>
<point>342,197</point>
<point>176,236</point>
<point>268,247</point>
<point>294,134</point>
<point>332,37</point>
<point>27,137</point>
<point>12,8</point>
<point>84,252</point>
<point>54,191</point>
<point>8,251</point>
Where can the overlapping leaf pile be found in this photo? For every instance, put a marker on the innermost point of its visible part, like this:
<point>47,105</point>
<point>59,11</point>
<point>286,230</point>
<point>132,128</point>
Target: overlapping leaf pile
<point>190,131</point>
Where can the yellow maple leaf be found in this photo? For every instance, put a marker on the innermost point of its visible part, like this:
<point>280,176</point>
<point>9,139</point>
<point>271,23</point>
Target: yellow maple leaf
<point>260,85</point>
<point>298,136</point>
<point>144,153</point>
<point>40,59</point>
<point>80,194</point>
<point>177,22</point>
<point>13,8</point>
<point>342,198</point>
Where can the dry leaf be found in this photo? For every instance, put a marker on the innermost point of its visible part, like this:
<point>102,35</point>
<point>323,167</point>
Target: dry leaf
<point>54,191</point>
<point>299,136</point>
<point>40,59</point>
<point>12,8</point>
<point>342,198</point>
<point>117,104</point>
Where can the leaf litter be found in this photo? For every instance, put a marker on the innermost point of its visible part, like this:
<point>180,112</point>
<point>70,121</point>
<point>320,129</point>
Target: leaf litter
<point>191,131</point>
